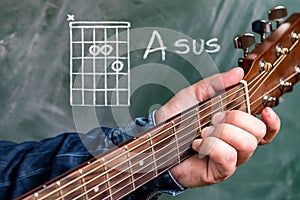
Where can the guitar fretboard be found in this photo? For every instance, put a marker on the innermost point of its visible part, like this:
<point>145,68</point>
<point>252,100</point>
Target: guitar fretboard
<point>123,169</point>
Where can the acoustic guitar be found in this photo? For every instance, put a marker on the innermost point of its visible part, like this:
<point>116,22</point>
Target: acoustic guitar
<point>271,68</point>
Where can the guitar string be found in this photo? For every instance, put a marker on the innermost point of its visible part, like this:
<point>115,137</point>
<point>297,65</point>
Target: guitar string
<point>180,138</point>
<point>274,88</point>
<point>260,83</point>
<point>193,131</point>
<point>162,164</point>
<point>167,137</point>
<point>269,75</point>
<point>126,161</point>
<point>271,72</point>
<point>125,152</point>
<point>256,83</point>
<point>230,94</point>
<point>159,142</point>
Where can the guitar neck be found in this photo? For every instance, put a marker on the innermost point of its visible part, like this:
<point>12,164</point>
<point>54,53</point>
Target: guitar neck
<point>123,169</point>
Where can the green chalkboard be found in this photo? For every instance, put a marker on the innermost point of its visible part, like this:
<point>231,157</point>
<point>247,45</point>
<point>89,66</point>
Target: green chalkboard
<point>35,76</point>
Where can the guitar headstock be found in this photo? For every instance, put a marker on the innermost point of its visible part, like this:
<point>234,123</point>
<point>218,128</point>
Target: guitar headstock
<point>273,66</point>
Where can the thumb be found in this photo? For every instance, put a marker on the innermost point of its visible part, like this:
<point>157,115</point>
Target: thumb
<point>210,86</point>
<point>199,92</point>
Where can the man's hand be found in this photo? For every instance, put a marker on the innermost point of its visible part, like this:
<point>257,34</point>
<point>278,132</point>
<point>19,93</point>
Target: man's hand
<point>228,142</point>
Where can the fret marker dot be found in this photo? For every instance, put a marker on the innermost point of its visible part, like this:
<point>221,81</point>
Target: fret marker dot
<point>96,189</point>
<point>36,194</point>
<point>141,163</point>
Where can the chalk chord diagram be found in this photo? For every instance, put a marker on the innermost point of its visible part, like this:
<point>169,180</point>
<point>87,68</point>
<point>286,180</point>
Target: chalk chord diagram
<point>99,63</point>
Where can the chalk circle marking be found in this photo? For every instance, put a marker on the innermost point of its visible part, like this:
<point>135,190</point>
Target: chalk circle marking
<point>104,49</point>
<point>94,50</point>
<point>117,66</point>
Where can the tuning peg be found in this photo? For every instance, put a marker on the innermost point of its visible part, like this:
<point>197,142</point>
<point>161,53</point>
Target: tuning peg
<point>285,86</point>
<point>262,27</point>
<point>269,101</point>
<point>244,41</point>
<point>277,14</point>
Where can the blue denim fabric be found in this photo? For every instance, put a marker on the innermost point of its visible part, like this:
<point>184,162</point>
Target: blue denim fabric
<point>30,164</point>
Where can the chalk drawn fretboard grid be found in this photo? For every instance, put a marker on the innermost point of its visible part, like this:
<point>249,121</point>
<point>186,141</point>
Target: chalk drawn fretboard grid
<point>99,64</point>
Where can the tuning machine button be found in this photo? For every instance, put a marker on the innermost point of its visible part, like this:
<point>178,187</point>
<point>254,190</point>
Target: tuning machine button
<point>285,86</point>
<point>265,66</point>
<point>244,41</point>
<point>280,50</point>
<point>277,14</point>
<point>295,36</point>
<point>262,27</point>
<point>269,101</point>
<point>297,69</point>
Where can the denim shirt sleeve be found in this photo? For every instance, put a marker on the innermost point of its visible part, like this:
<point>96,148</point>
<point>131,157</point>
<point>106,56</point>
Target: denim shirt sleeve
<point>27,165</point>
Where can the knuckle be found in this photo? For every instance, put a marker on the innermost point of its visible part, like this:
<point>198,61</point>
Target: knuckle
<point>249,145</point>
<point>233,115</point>
<point>261,130</point>
<point>231,157</point>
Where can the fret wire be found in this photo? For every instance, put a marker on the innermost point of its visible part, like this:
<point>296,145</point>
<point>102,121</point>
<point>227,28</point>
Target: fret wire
<point>130,166</point>
<point>185,136</point>
<point>199,120</point>
<point>153,153</point>
<point>176,139</point>
<point>108,183</point>
<point>36,195</point>
<point>187,141</point>
<point>171,127</point>
<point>83,184</point>
<point>59,189</point>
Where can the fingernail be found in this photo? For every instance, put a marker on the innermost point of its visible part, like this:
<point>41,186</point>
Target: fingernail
<point>271,113</point>
<point>207,131</point>
<point>218,118</point>
<point>197,147</point>
<point>197,144</point>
